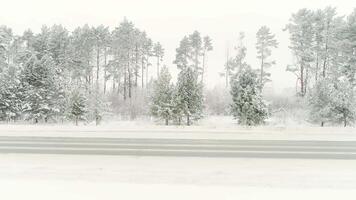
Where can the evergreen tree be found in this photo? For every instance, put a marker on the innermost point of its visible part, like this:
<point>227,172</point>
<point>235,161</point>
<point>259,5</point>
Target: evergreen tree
<point>320,101</point>
<point>265,41</point>
<point>162,98</point>
<point>77,109</point>
<point>10,95</point>
<point>237,63</point>
<point>301,37</point>
<point>97,106</point>
<point>207,46</point>
<point>333,101</point>
<point>343,104</point>
<point>189,97</point>
<point>247,103</point>
<point>42,90</point>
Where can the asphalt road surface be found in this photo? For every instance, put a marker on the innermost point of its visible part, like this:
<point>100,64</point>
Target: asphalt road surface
<point>179,147</point>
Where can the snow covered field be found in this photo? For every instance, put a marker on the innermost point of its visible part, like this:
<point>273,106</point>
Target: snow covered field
<point>97,177</point>
<point>89,177</point>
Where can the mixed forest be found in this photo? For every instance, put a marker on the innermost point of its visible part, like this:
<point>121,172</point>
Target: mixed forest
<point>93,73</point>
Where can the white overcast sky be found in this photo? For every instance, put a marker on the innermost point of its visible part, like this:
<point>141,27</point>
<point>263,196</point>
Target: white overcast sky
<point>168,21</point>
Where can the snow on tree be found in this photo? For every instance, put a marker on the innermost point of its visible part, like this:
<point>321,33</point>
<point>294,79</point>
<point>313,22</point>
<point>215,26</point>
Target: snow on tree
<point>237,63</point>
<point>97,106</point>
<point>77,107</point>
<point>42,90</point>
<point>162,97</point>
<point>10,95</point>
<point>189,96</point>
<point>344,103</point>
<point>301,37</point>
<point>320,102</point>
<point>333,101</point>
<point>265,41</point>
<point>247,105</point>
<point>207,46</point>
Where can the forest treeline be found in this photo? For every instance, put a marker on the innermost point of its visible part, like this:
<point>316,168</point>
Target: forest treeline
<point>86,74</point>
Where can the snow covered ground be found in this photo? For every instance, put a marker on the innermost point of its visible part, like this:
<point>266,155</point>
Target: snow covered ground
<point>90,177</point>
<point>109,177</point>
<point>210,128</point>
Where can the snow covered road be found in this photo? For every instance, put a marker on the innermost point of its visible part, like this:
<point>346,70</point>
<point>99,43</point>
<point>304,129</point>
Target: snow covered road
<point>179,147</point>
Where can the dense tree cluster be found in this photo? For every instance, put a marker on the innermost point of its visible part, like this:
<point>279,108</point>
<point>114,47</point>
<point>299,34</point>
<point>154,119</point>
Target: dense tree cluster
<point>185,99</point>
<point>323,45</point>
<point>58,75</point>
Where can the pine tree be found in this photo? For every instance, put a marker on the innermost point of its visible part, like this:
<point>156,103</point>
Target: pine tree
<point>237,63</point>
<point>162,98</point>
<point>343,104</point>
<point>10,95</point>
<point>248,106</point>
<point>265,41</point>
<point>97,106</point>
<point>301,37</point>
<point>320,101</point>
<point>207,46</point>
<point>77,109</point>
<point>333,101</point>
<point>42,88</point>
<point>189,97</point>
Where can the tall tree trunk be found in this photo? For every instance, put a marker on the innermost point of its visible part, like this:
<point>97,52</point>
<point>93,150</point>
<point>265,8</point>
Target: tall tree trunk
<point>142,70</point>
<point>317,67</point>
<point>105,71</point>
<point>326,49</point>
<point>136,66</point>
<point>261,75</point>
<point>302,80</point>
<point>130,82</point>
<point>203,68</point>
<point>119,83</point>
<point>113,84</point>
<point>166,121</point>
<point>97,65</point>
<point>147,73</point>
<point>306,80</point>
<point>125,82</point>
<point>188,120</point>
<point>157,66</point>
<point>227,73</point>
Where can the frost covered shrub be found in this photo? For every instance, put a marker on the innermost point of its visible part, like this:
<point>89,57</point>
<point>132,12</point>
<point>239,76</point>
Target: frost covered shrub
<point>332,101</point>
